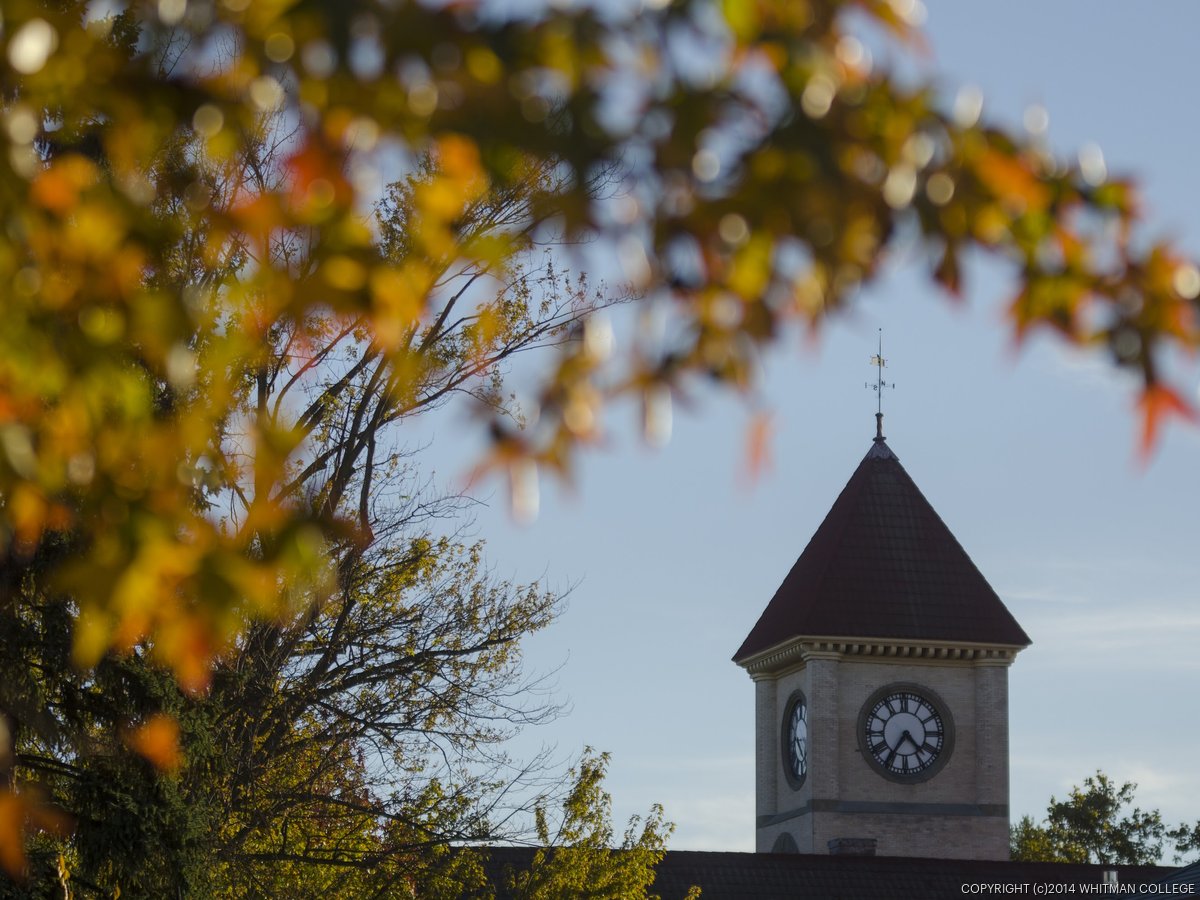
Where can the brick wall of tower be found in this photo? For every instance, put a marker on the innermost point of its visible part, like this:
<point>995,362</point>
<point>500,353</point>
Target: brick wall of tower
<point>961,812</point>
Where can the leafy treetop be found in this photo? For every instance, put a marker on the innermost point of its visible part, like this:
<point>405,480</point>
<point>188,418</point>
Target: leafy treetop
<point>1098,823</point>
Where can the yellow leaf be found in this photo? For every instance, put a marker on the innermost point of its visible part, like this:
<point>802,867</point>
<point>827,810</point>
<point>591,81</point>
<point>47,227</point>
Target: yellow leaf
<point>440,198</point>
<point>344,273</point>
<point>751,268</point>
<point>742,18</point>
<point>399,297</point>
<point>483,65</point>
<point>96,232</point>
<point>28,512</point>
<point>92,632</point>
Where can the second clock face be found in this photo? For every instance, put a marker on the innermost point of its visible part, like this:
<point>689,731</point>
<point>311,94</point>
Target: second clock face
<point>904,733</point>
<point>797,739</point>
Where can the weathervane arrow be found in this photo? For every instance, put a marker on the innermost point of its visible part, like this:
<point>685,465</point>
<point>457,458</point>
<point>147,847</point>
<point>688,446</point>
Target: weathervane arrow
<point>879,362</point>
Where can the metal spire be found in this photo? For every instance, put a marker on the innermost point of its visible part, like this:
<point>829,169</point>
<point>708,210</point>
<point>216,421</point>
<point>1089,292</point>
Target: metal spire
<point>879,362</point>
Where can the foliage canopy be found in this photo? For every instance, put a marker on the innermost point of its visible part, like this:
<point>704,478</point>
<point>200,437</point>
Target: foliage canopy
<point>1096,824</point>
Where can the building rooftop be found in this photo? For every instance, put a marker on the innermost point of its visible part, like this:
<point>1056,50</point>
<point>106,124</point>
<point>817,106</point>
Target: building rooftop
<point>786,876</point>
<point>883,563</point>
<point>782,876</point>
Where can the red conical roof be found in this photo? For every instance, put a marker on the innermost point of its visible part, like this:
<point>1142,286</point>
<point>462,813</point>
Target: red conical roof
<point>883,565</point>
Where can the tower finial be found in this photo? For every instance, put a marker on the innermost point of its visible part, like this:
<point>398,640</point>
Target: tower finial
<point>879,362</point>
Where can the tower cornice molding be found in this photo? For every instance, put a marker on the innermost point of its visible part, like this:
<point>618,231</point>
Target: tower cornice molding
<point>800,650</point>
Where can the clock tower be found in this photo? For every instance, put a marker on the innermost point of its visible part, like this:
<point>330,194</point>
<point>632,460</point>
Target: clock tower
<point>881,685</point>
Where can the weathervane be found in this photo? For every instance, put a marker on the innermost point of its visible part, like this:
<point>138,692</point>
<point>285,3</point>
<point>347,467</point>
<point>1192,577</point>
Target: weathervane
<point>879,362</point>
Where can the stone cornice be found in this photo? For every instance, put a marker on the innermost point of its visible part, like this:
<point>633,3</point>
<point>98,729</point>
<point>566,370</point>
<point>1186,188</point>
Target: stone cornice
<point>998,810</point>
<point>799,651</point>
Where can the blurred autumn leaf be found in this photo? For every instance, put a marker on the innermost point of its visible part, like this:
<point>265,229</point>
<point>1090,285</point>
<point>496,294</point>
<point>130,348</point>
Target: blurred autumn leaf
<point>157,740</point>
<point>188,188</point>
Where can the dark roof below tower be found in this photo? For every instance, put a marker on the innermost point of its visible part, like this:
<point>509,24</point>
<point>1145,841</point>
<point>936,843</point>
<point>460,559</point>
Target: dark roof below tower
<point>786,876</point>
<point>883,565</point>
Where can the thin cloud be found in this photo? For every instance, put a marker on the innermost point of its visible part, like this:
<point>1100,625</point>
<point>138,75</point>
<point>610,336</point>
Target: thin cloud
<point>735,763</point>
<point>1043,595</point>
<point>1089,370</point>
<point>714,821</point>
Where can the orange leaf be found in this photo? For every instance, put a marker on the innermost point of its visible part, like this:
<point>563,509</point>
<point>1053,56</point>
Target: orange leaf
<point>158,740</point>
<point>458,157</point>
<point>19,812</point>
<point>258,215</point>
<point>758,446</point>
<point>57,188</point>
<point>1012,181</point>
<point>12,843</point>
<point>317,177</point>
<point>1156,404</point>
<point>948,274</point>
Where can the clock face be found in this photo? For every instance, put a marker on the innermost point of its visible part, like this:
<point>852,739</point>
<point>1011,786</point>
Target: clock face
<point>904,733</point>
<point>795,740</point>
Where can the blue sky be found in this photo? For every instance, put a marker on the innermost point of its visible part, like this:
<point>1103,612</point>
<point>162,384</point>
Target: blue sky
<point>1028,455</point>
